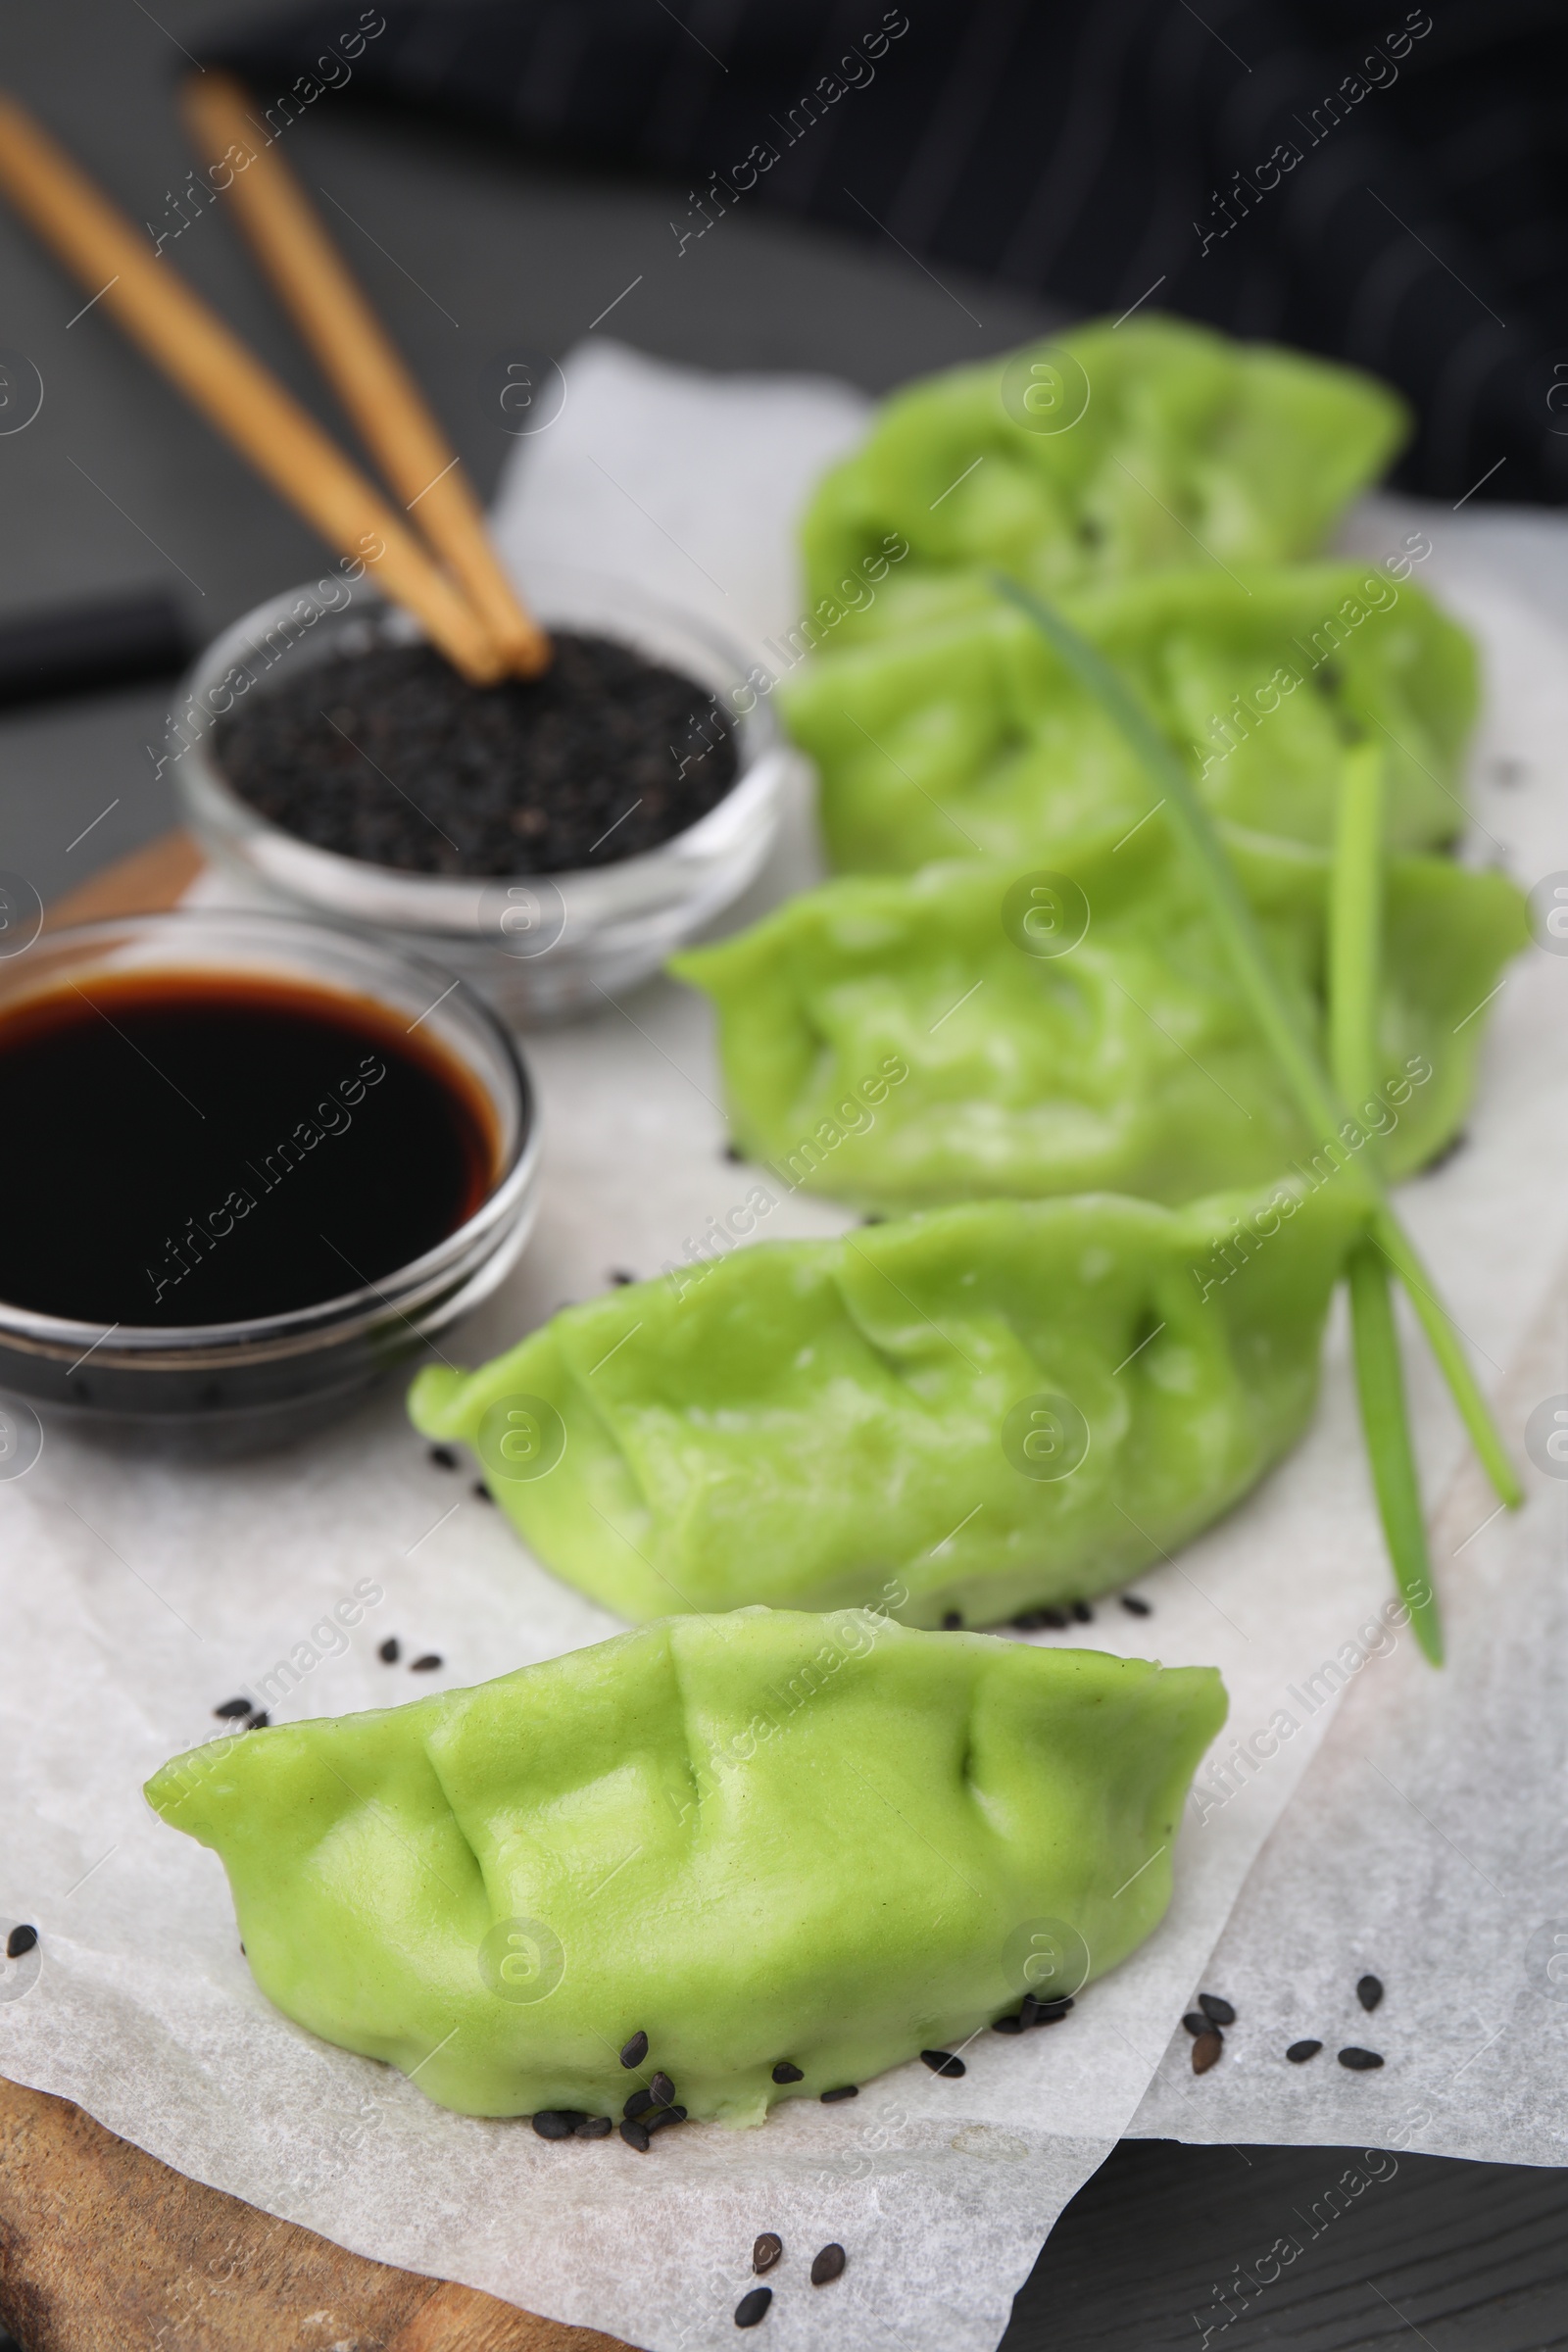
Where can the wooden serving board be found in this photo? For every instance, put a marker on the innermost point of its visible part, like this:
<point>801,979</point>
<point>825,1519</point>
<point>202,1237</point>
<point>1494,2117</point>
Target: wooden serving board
<point>103,2248</point>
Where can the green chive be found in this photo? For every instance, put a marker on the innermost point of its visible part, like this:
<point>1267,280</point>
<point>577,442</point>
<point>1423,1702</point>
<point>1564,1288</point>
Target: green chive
<point>1355,926</point>
<point>1296,1052</point>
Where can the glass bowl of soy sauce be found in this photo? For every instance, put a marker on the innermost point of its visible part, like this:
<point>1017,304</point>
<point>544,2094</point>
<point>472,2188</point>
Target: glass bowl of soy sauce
<point>550,840</point>
<point>252,1166</point>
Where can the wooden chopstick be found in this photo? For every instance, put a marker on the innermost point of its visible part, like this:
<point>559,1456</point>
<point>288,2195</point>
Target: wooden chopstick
<point>214,370</point>
<point>358,356</point>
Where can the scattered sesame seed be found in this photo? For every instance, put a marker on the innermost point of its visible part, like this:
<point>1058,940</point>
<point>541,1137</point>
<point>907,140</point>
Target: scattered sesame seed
<point>635,2050</point>
<point>1056,1618</point>
<point>752,2309</point>
<point>427,1664</point>
<point>734,1154</point>
<point>443,1458</point>
<point>231,1709</point>
<point>1135,1607</point>
<point>845,2091</point>
<point>635,2135</point>
<point>557,2122</point>
<point>1360,2062</point>
<point>1301,2051</point>
<point>1083,1612</point>
<point>658,2117</point>
<point>828,2265</point>
<point>661,2091</point>
<point>1369,1992</point>
<point>23,1939</point>
<point>1029,1621</point>
<point>481,1492</point>
<point>638,2104</point>
<point>1218,2012</point>
<point>595,2127</point>
<point>1007,2025</point>
<point>390,1651</point>
<point>259,1721</point>
<point>1196,2021</point>
<point>1049,2011</point>
<point>953,1622</point>
<point>619,1277</point>
<point>785,2073</point>
<point>1207,2050</point>
<point>941,2062</point>
<point>768,2249</point>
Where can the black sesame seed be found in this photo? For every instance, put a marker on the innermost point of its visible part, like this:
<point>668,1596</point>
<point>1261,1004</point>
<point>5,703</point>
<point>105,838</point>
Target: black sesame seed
<point>427,1664</point>
<point>1007,2025</point>
<point>1360,2062</point>
<point>785,2073</point>
<point>752,2309</point>
<point>1369,1992</point>
<point>1083,1612</point>
<point>1196,2021</point>
<point>943,2062</point>
<point>662,2092</point>
<point>845,2091</point>
<point>619,1277</point>
<point>557,2122</point>
<point>1029,1621</point>
<point>767,2250</point>
<point>827,2266</point>
<point>636,2050</point>
<point>387,755</point>
<point>231,1709</point>
<point>1056,1618</point>
<point>1301,2051</point>
<point>23,1939</point>
<point>1037,2012</point>
<point>595,2127</point>
<point>635,2135</point>
<point>390,1651</point>
<point>953,1622</point>
<point>443,1458</point>
<point>1134,1606</point>
<point>1218,2012</point>
<point>1207,2050</point>
<point>734,1154</point>
<point>638,2104</point>
<point>658,2117</point>
<point>259,1721</point>
<point>481,1492</point>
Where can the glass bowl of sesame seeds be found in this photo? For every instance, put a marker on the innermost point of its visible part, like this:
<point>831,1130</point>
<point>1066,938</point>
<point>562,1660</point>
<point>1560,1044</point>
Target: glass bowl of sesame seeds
<point>549,841</point>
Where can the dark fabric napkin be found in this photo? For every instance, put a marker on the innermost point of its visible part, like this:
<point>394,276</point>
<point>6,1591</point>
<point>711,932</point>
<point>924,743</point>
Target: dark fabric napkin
<point>1384,185</point>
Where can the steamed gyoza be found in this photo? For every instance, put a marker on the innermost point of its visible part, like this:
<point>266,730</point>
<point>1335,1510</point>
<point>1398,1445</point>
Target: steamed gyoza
<point>763,1842</point>
<point>1079,1029</point>
<point>996,1406</point>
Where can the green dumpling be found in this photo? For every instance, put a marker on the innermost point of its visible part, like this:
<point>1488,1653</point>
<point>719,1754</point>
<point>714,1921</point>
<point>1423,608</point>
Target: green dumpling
<point>762,1840</point>
<point>1110,451</point>
<point>1124,1062</point>
<point>970,738</point>
<point>990,1408</point>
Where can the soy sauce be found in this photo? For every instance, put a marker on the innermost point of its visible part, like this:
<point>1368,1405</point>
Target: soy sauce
<point>208,1147</point>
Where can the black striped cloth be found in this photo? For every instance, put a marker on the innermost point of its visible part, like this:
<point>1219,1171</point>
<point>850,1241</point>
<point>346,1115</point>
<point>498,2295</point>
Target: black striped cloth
<point>1386,186</point>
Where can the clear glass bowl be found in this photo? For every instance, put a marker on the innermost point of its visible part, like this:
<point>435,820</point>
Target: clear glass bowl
<point>231,1388</point>
<point>540,947</point>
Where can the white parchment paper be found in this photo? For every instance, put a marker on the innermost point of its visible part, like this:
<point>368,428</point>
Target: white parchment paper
<point>1427,1848</point>
<point>136,1598</point>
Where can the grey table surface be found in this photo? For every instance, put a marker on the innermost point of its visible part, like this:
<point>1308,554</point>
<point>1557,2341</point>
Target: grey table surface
<point>474,255</point>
